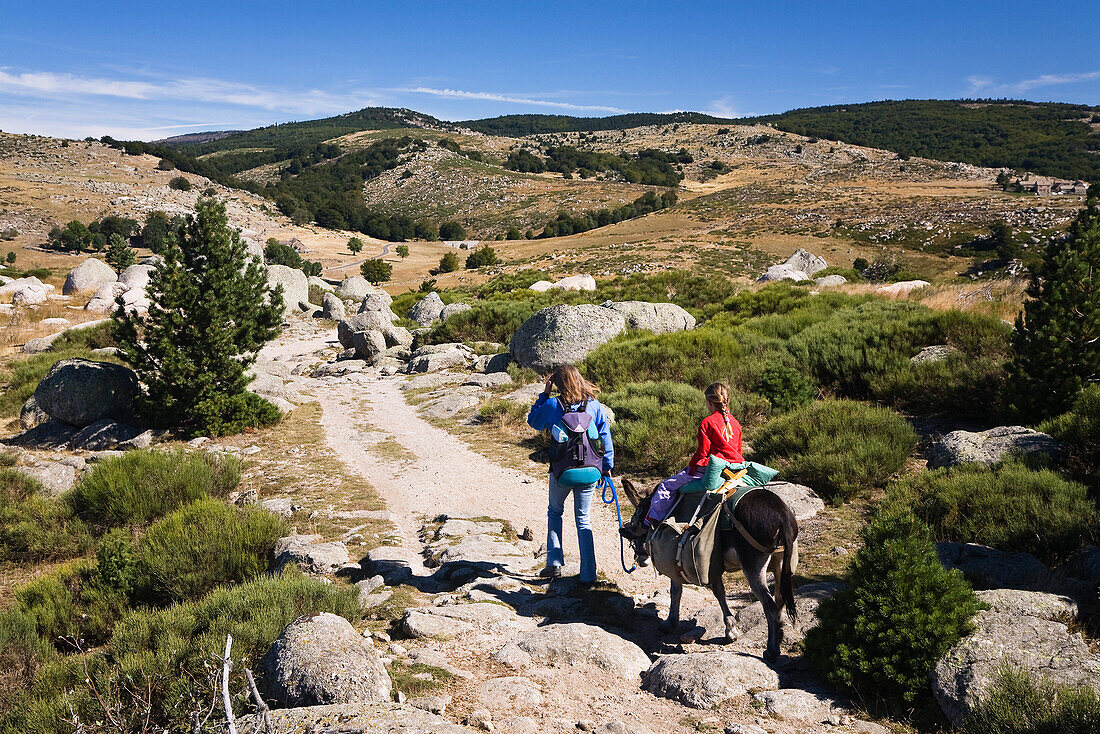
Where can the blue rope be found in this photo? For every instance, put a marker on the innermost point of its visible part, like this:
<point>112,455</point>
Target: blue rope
<point>605,484</point>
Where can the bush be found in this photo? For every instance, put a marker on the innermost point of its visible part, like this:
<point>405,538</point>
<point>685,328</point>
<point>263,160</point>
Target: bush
<point>141,486</point>
<point>880,637</point>
<point>1015,704</point>
<point>655,425</point>
<point>504,414</point>
<point>1079,432</point>
<point>1010,507</point>
<point>448,263</point>
<point>276,253</point>
<point>960,387</point>
<point>451,231</point>
<point>376,271</point>
<point>839,447</point>
<point>785,388</point>
<point>185,554</point>
<point>490,321</point>
<point>34,529</point>
<point>179,183</point>
<point>481,257</point>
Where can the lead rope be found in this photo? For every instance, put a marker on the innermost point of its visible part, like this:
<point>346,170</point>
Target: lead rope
<point>606,483</point>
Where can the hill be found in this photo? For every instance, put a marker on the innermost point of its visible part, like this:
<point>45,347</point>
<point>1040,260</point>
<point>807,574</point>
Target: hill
<point>521,125</point>
<point>1047,138</point>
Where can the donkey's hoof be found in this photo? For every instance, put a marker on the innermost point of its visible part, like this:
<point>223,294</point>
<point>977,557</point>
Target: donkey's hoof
<point>771,656</point>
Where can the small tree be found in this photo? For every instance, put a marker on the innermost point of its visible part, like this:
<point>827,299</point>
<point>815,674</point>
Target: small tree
<point>119,253</point>
<point>512,234</point>
<point>211,310</point>
<point>1057,336</point>
<point>402,251</point>
<point>355,245</point>
<point>179,183</point>
<point>448,263</point>
<point>376,271</point>
<point>10,257</point>
<point>451,231</point>
<point>481,258</point>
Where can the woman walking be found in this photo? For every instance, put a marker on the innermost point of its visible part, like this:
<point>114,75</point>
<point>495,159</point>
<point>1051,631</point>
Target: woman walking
<point>582,452</point>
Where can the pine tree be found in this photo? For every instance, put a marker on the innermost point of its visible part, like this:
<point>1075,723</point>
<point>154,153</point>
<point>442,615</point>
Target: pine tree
<point>211,310</point>
<point>1057,340</point>
<point>119,253</point>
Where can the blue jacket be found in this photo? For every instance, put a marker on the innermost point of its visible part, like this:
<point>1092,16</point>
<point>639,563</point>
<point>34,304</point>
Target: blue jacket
<point>547,411</point>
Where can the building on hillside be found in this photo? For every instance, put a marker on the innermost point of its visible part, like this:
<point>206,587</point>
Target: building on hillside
<point>1043,186</point>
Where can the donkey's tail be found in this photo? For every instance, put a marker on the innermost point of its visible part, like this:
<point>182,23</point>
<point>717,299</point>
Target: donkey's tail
<point>789,539</point>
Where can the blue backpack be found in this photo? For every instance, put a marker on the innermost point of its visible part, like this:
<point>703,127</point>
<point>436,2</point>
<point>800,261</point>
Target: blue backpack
<point>575,459</point>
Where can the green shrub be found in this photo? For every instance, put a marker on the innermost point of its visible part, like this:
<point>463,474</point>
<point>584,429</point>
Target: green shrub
<point>179,183</point>
<point>1015,704</point>
<point>785,388</point>
<point>141,486</point>
<point>784,297</point>
<point>959,386</point>
<point>205,544</point>
<point>376,271</point>
<point>448,263</point>
<point>34,528</point>
<point>491,321</point>
<point>482,257</point>
<point>1010,507</point>
<point>1079,432</point>
<point>901,611</point>
<point>839,447</point>
<point>655,425</point>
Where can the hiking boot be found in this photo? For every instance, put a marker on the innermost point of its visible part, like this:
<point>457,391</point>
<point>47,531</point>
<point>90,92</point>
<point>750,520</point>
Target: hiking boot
<point>634,532</point>
<point>550,572</point>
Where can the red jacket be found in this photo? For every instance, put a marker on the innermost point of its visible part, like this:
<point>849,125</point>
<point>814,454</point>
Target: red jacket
<point>712,440</point>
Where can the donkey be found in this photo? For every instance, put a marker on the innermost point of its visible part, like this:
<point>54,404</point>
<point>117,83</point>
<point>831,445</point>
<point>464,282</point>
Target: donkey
<point>770,523</point>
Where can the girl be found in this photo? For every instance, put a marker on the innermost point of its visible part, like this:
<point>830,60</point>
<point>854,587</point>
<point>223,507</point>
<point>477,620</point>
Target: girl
<point>573,392</point>
<point>719,435</point>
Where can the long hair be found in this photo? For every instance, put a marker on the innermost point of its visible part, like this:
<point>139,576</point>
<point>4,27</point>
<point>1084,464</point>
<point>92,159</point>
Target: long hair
<point>719,394</point>
<point>574,388</point>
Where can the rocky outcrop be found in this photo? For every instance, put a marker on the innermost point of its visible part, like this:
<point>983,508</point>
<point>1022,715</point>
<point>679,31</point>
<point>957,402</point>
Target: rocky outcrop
<point>659,318</point>
<point>29,294</point>
<point>451,309</point>
<point>564,334</point>
<point>706,679</point>
<point>574,644</point>
<point>9,289</point>
<point>435,357</point>
<point>989,568</point>
<point>990,447</point>
<point>830,281</point>
<point>332,307</point>
<point>799,266</point>
<point>89,275</point>
<point>295,286</point>
<point>321,659</point>
<point>308,553</point>
<point>540,286</point>
<point>1021,629</point>
<point>575,283</point>
<point>354,288</point>
<point>932,354</point>
<point>802,500</point>
<point>80,392</point>
<point>362,718</point>
<point>427,309</point>
<point>903,287</point>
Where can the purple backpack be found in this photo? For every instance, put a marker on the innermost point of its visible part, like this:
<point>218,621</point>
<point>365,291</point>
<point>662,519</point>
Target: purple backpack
<point>575,460</point>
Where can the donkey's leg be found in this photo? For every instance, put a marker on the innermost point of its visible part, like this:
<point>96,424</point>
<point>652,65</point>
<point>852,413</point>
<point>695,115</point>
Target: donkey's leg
<point>719,589</point>
<point>676,592</point>
<point>775,565</point>
<point>755,567</point>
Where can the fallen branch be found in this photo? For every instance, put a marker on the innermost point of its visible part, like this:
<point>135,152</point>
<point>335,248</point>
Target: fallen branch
<point>265,712</point>
<point>230,722</point>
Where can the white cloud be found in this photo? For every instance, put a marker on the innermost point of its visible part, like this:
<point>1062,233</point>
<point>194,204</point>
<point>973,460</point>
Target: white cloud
<point>495,97</point>
<point>723,107</point>
<point>987,85</point>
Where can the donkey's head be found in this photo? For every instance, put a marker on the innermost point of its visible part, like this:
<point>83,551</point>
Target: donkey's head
<point>641,502</point>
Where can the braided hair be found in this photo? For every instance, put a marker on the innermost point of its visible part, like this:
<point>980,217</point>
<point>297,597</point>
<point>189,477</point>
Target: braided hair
<point>719,394</point>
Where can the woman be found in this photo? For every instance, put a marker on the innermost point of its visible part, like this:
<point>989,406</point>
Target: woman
<point>575,395</point>
<point>719,435</point>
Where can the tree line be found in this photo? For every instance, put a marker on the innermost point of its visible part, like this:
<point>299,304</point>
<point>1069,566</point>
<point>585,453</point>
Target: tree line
<point>567,224</point>
<point>650,167</point>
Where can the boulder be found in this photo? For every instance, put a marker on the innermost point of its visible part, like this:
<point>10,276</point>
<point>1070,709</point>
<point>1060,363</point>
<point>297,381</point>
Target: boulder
<point>295,286</point>
<point>362,321</point>
<point>377,301</point>
<point>706,679</point>
<point>452,403</point>
<point>418,624</point>
<point>362,718</point>
<point>1020,629</point>
<point>1083,564</point>
<point>572,644</point>
<point>88,276</point>
<point>564,334</point>
<point>903,287</point>
<point>9,288</point>
<point>489,379</point>
<point>989,568</point>
<point>253,248</point>
<point>80,392</point>
<point>321,659</point>
<point>830,280</point>
<point>104,299</point>
<point>451,309</point>
<point>56,477</point>
<point>397,336</point>
<point>316,281</point>
<point>805,261</point>
<point>427,309</point>
<point>492,362</point>
<point>575,283</point>
<point>369,346</point>
<point>753,624</point>
<point>802,500</point>
<point>782,272</point>
<point>659,318</point>
<point>796,704</point>
<point>102,435</point>
<point>30,415</point>
<point>990,447</point>
<point>933,353</point>
<point>354,288</point>
<point>136,276</point>
<point>435,361</point>
<point>308,553</point>
<point>332,307</point>
<point>540,286</point>
<point>28,295</point>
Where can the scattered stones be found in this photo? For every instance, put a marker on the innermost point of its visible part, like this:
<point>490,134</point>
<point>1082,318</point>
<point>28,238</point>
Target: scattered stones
<point>933,353</point>
<point>659,318</point>
<point>439,357</point>
<point>799,266</point>
<point>427,309</point>
<point>368,718</point>
<point>80,392</point>
<point>492,379</point>
<point>451,309</point>
<point>990,447</point>
<point>321,659</point>
<point>564,334</point>
<point>573,644</point>
<point>310,554</point>
<point>88,276</point>
<point>706,679</point>
<point>295,286</point>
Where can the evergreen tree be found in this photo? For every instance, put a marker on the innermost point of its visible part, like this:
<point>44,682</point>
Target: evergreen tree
<point>448,263</point>
<point>1057,339</point>
<point>376,271</point>
<point>119,253</point>
<point>211,310</point>
<point>402,251</point>
<point>355,245</point>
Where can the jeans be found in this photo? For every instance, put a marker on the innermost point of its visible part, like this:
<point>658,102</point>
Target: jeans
<point>582,501</point>
<point>664,497</point>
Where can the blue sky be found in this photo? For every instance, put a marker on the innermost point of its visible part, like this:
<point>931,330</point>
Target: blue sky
<point>150,69</point>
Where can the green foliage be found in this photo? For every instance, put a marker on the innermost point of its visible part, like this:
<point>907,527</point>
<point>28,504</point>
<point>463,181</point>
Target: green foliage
<point>119,253</point>
<point>513,234</point>
<point>20,377</point>
<point>1056,354</point>
<point>785,388</point>
<point>1009,507</point>
<point>840,448</point>
<point>901,611</point>
<point>452,231</point>
<point>10,257</point>
<point>448,263</point>
<point>489,321</point>
<point>158,227</point>
<point>179,183</point>
<point>355,245</point>
<point>567,224</point>
<point>655,425</point>
<point>211,311</point>
<point>482,257</point>
<point>402,251</point>
<point>1015,704</point>
<point>141,486</point>
<point>1079,432</point>
<point>522,125</point>
<point>276,253</point>
<point>376,271</point>
<point>207,543</point>
<point>35,528</point>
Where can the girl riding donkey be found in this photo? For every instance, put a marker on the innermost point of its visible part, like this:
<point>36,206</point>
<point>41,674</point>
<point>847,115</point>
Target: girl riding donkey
<point>578,427</point>
<point>719,435</point>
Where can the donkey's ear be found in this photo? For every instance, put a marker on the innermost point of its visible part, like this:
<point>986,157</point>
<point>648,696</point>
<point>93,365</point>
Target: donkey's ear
<point>631,491</point>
